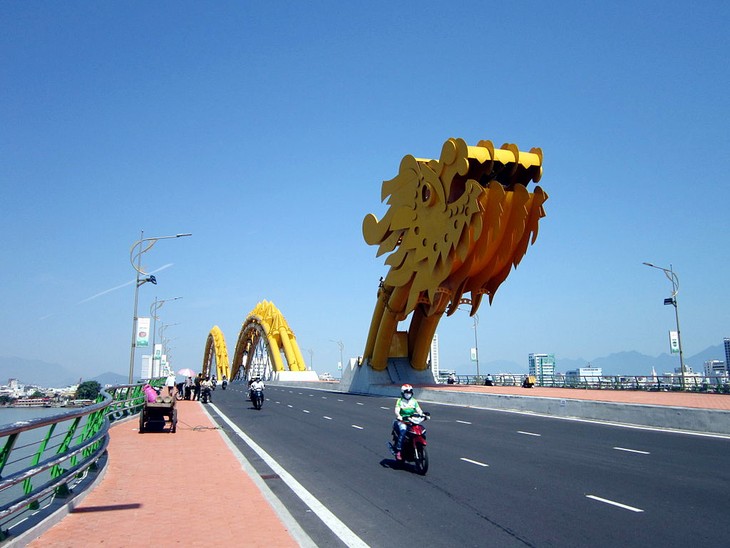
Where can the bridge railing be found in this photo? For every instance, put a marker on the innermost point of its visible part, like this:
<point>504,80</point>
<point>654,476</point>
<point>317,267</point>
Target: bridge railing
<point>692,383</point>
<point>42,460</point>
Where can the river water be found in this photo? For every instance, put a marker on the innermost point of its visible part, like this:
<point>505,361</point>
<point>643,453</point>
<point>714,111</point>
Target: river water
<point>9,415</point>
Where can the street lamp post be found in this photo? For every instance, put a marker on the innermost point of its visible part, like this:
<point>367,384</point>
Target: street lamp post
<point>144,244</point>
<point>342,347</point>
<point>672,277</point>
<point>153,314</point>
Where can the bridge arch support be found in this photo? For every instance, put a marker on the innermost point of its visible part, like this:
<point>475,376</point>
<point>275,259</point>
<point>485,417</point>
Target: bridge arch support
<point>216,354</point>
<point>265,344</point>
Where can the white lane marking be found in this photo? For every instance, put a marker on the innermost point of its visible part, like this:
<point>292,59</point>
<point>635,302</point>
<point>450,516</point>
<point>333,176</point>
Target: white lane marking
<point>305,411</point>
<point>358,427</point>
<point>328,518</point>
<point>632,450</point>
<point>386,408</point>
<point>463,422</point>
<point>326,417</point>
<point>529,433</point>
<point>289,405</point>
<point>360,403</point>
<point>324,397</point>
<point>339,399</point>
<point>614,503</point>
<point>311,395</point>
<point>474,462</point>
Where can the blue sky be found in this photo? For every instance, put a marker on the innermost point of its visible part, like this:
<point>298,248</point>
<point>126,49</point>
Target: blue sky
<point>267,128</point>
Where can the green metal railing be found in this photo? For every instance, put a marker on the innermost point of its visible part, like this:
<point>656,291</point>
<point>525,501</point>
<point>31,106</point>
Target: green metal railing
<point>42,460</point>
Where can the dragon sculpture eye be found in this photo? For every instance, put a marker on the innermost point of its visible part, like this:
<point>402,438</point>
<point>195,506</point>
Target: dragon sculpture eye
<point>426,194</point>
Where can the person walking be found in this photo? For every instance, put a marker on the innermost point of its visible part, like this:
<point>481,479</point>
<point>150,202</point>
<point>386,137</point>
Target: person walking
<point>170,383</point>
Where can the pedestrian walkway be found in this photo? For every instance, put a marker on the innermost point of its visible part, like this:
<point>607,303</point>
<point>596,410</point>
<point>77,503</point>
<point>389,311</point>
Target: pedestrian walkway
<point>163,489</point>
<point>693,400</point>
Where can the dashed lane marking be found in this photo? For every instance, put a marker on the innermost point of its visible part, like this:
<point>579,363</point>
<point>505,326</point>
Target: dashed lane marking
<point>474,462</point>
<point>529,433</point>
<point>632,450</point>
<point>463,422</point>
<point>358,427</point>
<point>614,503</point>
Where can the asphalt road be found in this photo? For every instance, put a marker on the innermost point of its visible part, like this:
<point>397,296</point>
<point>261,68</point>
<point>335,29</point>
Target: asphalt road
<point>495,478</point>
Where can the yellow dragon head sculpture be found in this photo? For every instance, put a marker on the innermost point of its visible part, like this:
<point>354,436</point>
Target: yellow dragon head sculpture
<point>454,225</point>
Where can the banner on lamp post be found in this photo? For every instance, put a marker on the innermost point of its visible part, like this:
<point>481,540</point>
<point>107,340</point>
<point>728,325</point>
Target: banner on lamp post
<point>674,342</point>
<point>146,372</point>
<point>143,332</point>
<point>473,354</point>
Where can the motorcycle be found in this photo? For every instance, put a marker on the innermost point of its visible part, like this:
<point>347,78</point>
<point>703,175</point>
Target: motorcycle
<point>414,444</point>
<point>257,398</point>
<point>224,384</point>
<point>205,395</point>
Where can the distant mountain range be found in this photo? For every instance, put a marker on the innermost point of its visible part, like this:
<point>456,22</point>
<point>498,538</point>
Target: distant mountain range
<point>44,374</point>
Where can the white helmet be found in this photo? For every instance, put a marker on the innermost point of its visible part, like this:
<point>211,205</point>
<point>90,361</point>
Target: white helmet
<point>406,391</point>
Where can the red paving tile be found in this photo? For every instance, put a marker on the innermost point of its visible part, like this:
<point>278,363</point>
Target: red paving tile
<point>164,489</point>
<point>674,399</point>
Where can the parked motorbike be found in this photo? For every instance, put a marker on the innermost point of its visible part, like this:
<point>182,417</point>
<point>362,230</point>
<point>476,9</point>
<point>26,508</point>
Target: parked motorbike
<point>414,444</point>
<point>257,398</point>
<point>205,395</point>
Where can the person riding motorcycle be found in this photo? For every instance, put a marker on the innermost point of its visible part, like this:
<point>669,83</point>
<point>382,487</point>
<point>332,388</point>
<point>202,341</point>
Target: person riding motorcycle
<point>405,407</point>
<point>256,384</point>
<point>206,388</point>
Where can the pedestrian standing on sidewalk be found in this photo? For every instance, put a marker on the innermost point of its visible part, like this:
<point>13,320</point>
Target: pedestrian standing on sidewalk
<point>198,380</point>
<point>170,383</point>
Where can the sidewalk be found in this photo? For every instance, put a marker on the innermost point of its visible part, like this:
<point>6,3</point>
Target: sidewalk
<point>692,400</point>
<point>163,489</point>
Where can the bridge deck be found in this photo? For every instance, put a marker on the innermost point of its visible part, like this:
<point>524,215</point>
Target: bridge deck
<point>170,488</point>
<point>163,489</point>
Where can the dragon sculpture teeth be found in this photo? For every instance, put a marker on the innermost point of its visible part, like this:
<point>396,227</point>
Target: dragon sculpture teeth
<point>455,225</point>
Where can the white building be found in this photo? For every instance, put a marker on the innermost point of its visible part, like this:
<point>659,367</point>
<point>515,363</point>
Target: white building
<point>590,376</point>
<point>715,371</point>
<point>542,366</point>
<point>434,355</point>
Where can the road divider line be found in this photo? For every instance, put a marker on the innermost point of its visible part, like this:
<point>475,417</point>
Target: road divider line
<point>474,462</point>
<point>386,408</point>
<point>358,427</point>
<point>614,503</point>
<point>632,450</point>
<point>463,422</point>
<point>334,524</point>
<point>305,411</point>
<point>529,433</point>
<point>326,417</point>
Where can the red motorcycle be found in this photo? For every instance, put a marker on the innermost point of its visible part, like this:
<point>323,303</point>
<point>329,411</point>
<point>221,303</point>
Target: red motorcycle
<point>414,444</point>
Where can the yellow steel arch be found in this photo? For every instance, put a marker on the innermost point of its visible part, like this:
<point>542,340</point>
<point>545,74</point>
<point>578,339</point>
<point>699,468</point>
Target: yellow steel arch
<point>454,225</point>
<point>215,348</point>
<point>264,324</point>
